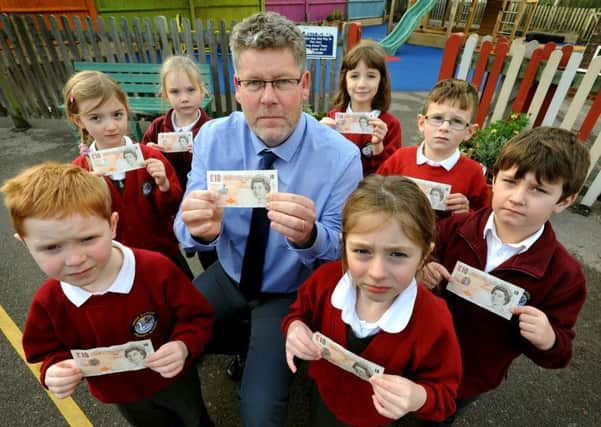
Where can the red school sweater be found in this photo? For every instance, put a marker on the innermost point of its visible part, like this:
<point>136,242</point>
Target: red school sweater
<point>160,291</point>
<point>465,177</point>
<point>426,352</point>
<point>392,141</point>
<point>181,162</point>
<point>553,280</point>
<point>145,213</point>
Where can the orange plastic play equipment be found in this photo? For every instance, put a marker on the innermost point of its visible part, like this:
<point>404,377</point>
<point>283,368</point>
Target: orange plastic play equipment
<point>354,35</point>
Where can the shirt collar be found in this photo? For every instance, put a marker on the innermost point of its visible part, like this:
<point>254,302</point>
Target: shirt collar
<point>447,163</point>
<point>121,285</point>
<point>394,319</point>
<point>523,246</point>
<point>286,149</point>
<point>186,128</point>
<point>372,113</point>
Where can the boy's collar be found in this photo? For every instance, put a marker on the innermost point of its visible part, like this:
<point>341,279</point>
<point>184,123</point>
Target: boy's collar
<point>121,285</point>
<point>447,163</point>
<point>524,244</point>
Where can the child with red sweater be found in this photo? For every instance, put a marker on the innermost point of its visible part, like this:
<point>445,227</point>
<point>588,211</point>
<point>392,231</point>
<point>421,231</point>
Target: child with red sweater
<point>371,304</point>
<point>183,88</point>
<point>445,121</point>
<point>102,293</point>
<point>537,173</point>
<point>146,199</point>
<point>364,87</point>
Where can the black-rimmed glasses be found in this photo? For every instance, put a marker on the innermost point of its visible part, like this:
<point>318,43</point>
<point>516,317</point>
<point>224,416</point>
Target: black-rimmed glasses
<point>281,85</point>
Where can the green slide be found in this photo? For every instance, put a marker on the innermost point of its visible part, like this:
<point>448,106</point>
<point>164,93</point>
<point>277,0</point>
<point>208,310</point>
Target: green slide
<point>409,21</point>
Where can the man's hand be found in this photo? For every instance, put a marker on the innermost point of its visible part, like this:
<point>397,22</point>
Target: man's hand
<point>201,215</point>
<point>62,378</point>
<point>169,359</point>
<point>293,216</point>
<point>299,343</point>
<point>457,202</point>
<point>535,327</point>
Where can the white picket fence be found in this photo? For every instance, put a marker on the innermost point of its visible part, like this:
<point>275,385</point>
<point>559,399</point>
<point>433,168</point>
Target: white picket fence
<point>545,82</point>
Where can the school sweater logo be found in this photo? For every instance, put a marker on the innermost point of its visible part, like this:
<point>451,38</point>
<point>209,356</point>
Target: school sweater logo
<point>147,188</point>
<point>144,324</point>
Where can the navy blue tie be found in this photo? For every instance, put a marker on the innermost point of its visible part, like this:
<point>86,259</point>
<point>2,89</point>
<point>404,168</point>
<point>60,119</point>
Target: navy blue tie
<point>251,276</point>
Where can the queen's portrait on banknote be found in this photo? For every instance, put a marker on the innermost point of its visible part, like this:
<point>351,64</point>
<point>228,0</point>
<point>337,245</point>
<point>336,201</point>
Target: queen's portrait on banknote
<point>484,290</point>
<point>260,187</point>
<point>436,192</point>
<point>136,355</point>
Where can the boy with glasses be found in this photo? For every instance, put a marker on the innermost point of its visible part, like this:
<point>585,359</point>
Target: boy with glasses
<point>445,121</point>
<point>317,170</point>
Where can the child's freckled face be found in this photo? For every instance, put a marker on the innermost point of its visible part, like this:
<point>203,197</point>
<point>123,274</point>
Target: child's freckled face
<point>106,123</point>
<point>75,249</point>
<point>440,142</point>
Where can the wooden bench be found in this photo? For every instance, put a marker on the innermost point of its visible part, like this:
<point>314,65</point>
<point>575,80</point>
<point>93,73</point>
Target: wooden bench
<point>141,83</point>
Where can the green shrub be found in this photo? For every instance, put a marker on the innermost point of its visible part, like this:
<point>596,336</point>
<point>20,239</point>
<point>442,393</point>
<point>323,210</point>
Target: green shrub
<point>486,144</point>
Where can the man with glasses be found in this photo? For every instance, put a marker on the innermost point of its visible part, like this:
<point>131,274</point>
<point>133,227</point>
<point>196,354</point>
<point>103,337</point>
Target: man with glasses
<point>317,170</point>
<point>446,120</point>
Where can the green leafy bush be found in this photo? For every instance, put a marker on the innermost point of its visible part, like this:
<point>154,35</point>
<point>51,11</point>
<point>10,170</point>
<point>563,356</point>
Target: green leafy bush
<point>486,144</point>
<point>335,15</point>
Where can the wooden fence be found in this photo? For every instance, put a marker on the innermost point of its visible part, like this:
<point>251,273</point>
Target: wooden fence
<point>36,56</point>
<point>553,19</point>
<point>540,80</point>
<point>546,19</point>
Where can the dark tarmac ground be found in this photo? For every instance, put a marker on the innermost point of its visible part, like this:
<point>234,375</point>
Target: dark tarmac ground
<point>531,395</point>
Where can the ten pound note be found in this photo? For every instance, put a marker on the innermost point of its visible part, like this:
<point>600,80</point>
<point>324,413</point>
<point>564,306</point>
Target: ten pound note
<point>485,290</point>
<point>116,358</point>
<point>242,189</point>
<point>175,142</point>
<point>344,359</point>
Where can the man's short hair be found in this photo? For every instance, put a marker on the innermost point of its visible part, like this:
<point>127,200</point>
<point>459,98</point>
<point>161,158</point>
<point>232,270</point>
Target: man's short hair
<point>268,30</point>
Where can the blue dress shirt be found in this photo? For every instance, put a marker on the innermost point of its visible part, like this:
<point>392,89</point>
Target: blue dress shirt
<point>315,162</point>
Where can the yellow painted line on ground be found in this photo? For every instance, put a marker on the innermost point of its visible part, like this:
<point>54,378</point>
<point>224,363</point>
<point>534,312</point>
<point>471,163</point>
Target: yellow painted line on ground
<point>67,407</point>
